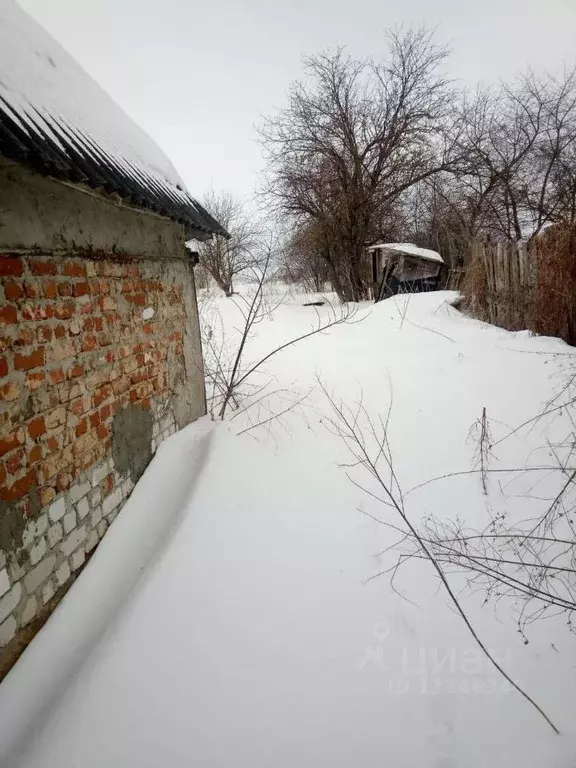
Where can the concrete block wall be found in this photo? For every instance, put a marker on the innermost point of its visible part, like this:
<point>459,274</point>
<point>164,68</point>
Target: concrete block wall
<point>100,361</point>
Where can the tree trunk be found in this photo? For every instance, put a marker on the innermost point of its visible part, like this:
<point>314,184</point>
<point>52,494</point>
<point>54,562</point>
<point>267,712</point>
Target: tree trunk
<point>358,287</point>
<point>335,279</point>
<point>224,286</point>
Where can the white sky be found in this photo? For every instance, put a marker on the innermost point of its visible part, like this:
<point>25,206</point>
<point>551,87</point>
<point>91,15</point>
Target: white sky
<point>198,75</point>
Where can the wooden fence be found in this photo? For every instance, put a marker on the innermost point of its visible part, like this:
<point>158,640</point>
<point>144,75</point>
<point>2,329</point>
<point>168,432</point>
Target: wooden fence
<point>525,285</point>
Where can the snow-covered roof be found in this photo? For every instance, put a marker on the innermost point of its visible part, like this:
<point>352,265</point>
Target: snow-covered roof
<point>56,119</point>
<point>410,250</point>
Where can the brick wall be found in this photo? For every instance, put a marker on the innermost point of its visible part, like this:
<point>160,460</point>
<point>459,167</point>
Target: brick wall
<point>94,356</point>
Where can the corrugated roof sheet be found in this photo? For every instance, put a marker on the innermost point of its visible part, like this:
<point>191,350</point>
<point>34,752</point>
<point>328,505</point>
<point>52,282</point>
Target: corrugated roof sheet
<point>55,118</point>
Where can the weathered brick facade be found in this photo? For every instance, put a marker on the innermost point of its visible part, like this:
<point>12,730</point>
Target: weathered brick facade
<point>99,362</point>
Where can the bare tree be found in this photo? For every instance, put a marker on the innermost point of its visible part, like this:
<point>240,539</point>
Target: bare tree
<point>552,187</point>
<point>226,257</point>
<point>355,136</point>
<point>529,560</point>
<point>371,469</point>
<point>303,263</point>
<point>227,368</point>
<point>516,170</point>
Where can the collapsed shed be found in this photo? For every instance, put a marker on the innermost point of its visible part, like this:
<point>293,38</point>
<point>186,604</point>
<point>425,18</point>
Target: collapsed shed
<point>403,268</point>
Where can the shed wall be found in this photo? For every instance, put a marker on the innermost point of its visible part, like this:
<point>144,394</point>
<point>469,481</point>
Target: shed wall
<point>100,360</point>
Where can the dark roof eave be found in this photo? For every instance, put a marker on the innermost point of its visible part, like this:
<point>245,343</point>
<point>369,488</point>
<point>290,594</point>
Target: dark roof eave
<point>97,171</point>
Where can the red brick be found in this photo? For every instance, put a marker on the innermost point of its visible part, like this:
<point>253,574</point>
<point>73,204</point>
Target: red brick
<point>13,291</point>
<point>36,427</point>
<point>74,269</point>
<point>75,371</point>
<point>98,324</point>
<point>53,444</point>
<point>44,334</point>
<point>108,485</point>
<point>43,267</point>
<point>81,289</point>
<point>35,455</point>
<point>148,328</point>
<point>35,380</point>
<point>56,375</point>
<point>95,419</point>
<point>65,289</point>
<point>103,432</point>
<point>32,290</point>
<point>81,428</point>
<point>105,412</point>
<point>10,443</point>
<point>3,367</point>
<point>35,359</point>
<point>64,311</point>
<point>50,290</point>
<point>36,312</point>
<point>60,331</point>
<point>10,266</point>
<point>8,315</point>
<point>10,391</point>
<point>19,488</point>
<point>101,395</point>
<point>89,343</point>
<point>15,461</point>
<point>137,298</point>
<point>63,481</point>
<point>139,376</point>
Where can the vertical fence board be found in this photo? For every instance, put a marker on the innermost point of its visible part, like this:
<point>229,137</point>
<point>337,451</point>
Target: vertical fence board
<point>526,285</point>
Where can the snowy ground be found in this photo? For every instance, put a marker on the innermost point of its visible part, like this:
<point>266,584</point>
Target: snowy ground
<point>244,634</point>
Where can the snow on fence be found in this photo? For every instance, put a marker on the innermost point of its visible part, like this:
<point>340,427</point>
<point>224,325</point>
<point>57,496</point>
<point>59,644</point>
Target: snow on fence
<point>525,285</point>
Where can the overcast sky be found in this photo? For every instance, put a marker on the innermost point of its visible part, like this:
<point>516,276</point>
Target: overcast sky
<point>198,75</point>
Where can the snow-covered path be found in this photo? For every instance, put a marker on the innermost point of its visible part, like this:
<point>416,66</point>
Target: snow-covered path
<point>249,639</point>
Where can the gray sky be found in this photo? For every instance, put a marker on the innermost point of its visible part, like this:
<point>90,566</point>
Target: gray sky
<point>198,75</point>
